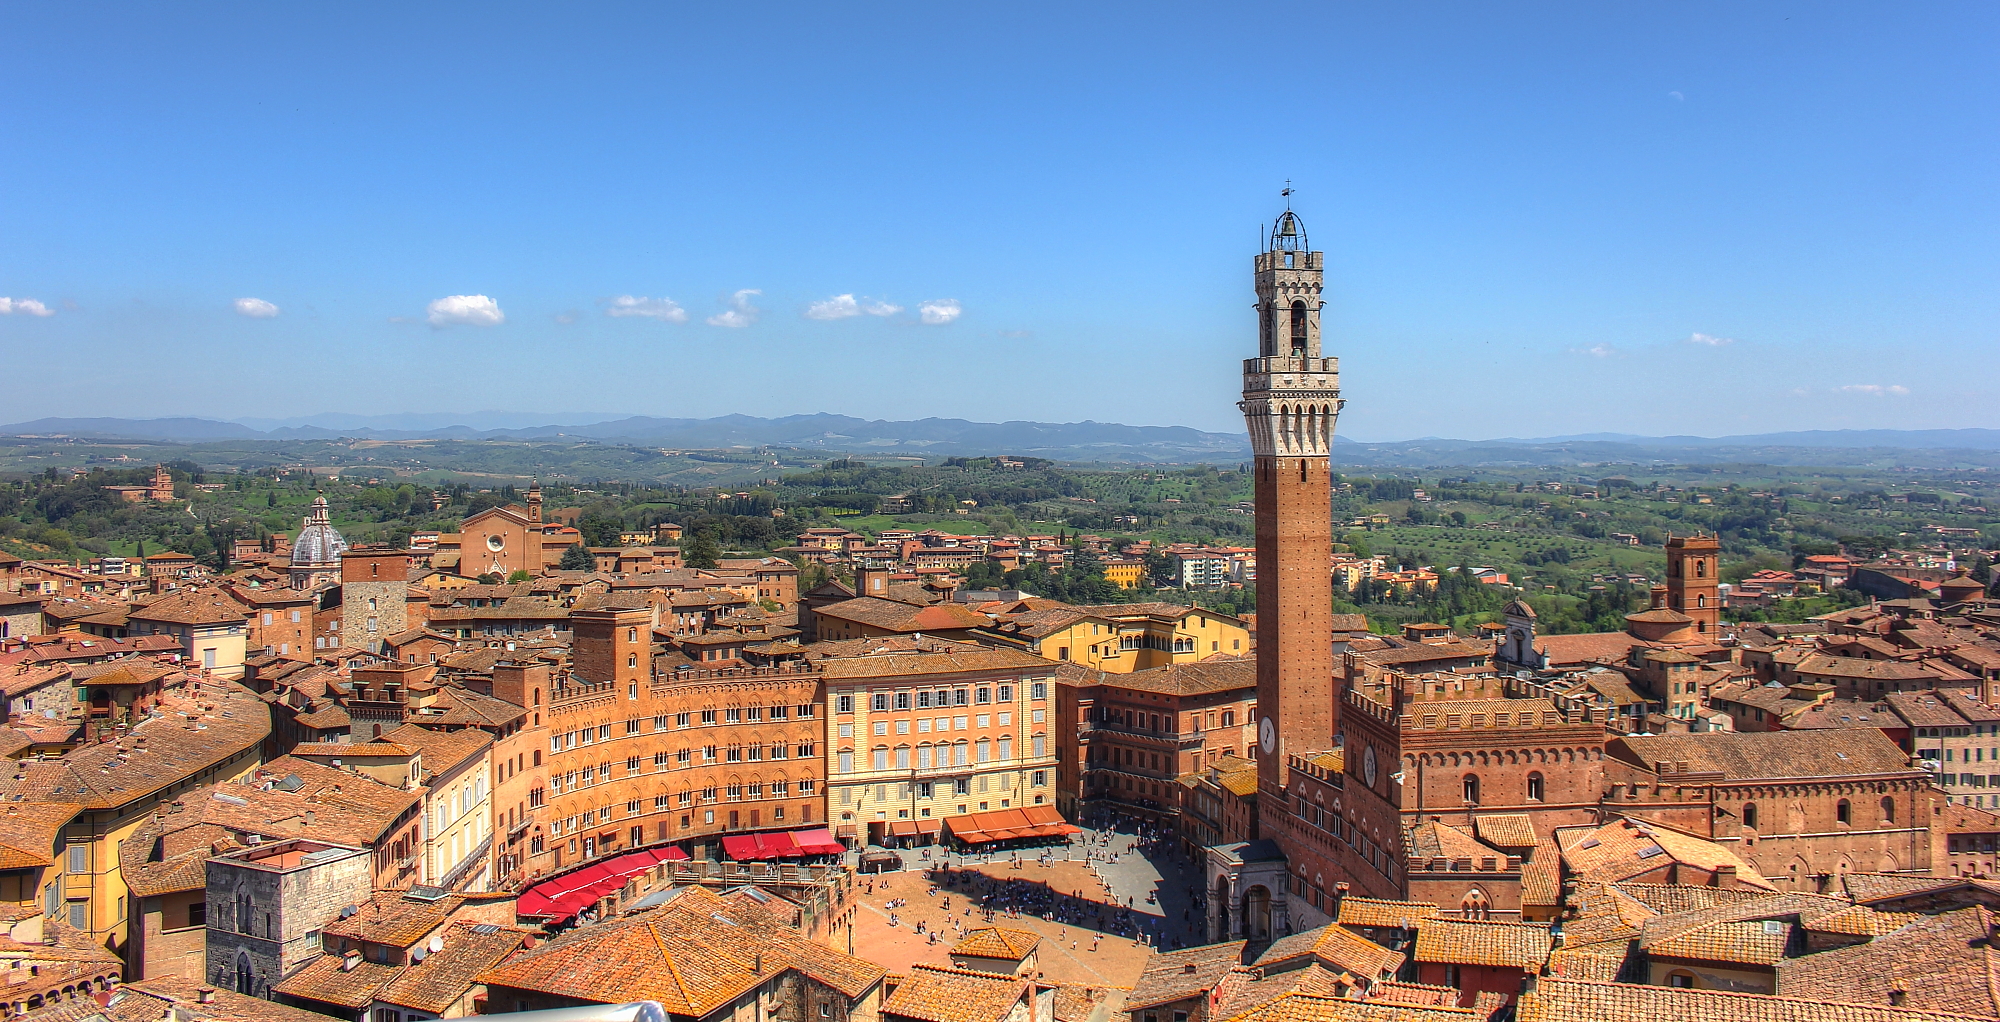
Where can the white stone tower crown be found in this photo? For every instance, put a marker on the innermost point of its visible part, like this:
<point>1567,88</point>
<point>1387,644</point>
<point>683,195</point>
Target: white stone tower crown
<point>1291,395</point>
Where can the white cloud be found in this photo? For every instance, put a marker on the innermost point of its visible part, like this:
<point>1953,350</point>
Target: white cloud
<point>568,316</point>
<point>1875,389</point>
<point>24,306</point>
<point>255,308</point>
<point>472,310</point>
<point>1595,351</point>
<point>666,310</point>
<point>938,312</point>
<point>741,313</point>
<point>846,306</point>
<point>1713,342</point>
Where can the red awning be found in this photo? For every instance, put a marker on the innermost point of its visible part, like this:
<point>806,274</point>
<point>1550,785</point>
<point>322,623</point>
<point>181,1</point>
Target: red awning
<point>671,853</point>
<point>902,828</point>
<point>929,826</point>
<point>531,903</point>
<point>780,845</point>
<point>742,847</point>
<point>631,864</point>
<point>1006,824</point>
<point>582,878</point>
<point>818,842</point>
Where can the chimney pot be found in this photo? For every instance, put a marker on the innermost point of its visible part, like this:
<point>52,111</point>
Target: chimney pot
<point>205,995</point>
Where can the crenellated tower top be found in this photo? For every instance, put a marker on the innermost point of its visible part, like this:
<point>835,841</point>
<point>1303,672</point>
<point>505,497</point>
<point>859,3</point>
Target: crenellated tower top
<point>1291,395</point>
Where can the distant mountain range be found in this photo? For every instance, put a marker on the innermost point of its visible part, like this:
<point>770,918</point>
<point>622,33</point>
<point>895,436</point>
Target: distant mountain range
<point>1070,441</point>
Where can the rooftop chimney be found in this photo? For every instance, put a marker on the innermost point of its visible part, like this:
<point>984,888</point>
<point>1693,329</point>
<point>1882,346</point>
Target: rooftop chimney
<point>205,995</point>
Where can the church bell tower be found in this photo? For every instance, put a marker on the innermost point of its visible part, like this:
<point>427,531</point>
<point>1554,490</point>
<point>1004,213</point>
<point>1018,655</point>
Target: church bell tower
<point>1291,396</point>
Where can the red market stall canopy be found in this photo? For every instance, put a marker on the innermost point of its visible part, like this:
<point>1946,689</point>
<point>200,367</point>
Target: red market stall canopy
<point>569,894</point>
<point>782,844</point>
<point>912,828</point>
<point>1007,824</point>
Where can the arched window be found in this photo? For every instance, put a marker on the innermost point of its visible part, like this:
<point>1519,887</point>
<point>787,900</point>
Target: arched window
<point>1888,809</point>
<point>1842,811</point>
<point>1701,568</point>
<point>1298,328</point>
<point>1535,787</point>
<point>1265,315</point>
<point>1701,601</point>
<point>1750,814</point>
<point>1474,905</point>
<point>1472,788</point>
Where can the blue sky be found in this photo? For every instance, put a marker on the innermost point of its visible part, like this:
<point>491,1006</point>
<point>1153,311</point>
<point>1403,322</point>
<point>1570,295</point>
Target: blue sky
<point>1540,219</point>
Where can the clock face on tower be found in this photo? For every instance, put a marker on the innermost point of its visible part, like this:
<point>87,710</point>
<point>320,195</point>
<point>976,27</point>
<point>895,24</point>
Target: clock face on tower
<point>1368,766</point>
<point>1267,733</point>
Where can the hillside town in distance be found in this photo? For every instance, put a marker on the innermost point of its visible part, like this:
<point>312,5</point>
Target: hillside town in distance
<point>752,759</point>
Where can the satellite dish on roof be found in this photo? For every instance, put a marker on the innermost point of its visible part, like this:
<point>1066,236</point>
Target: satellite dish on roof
<point>437,943</point>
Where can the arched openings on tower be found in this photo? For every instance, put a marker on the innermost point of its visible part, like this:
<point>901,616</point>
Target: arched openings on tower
<point>1266,316</point>
<point>1298,328</point>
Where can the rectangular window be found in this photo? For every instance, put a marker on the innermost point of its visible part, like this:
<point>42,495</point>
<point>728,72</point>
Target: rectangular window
<point>735,754</point>
<point>902,700</point>
<point>879,701</point>
<point>1041,778</point>
<point>805,750</point>
<point>1039,690</point>
<point>903,758</point>
<point>732,715</point>
<point>660,760</point>
<point>985,751</point>
<point>708,716</point>
<point>982,695</point>
<point>1041,746</point>
<point>778,712</point>
<point>1006,693</point>
<point>681,720</point>
<point>632,726</point>
<point>682,757</point>
<point>847,762</point>
<point>846,705</point>
<point>958,696</point>
<point>805,711</point>
<point>923,700</point>
<point>881,759</point>
<point>79,859</point>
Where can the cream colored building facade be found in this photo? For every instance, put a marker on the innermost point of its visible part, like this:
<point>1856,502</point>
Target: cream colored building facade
<point>916,737</point>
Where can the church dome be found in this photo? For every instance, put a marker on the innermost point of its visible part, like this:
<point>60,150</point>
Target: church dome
<point>1518,607</point>
<point>319,544</point>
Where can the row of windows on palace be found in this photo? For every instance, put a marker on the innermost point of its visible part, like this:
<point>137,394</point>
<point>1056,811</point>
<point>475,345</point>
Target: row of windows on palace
<point>664,802</point>
<point>924,699</point>
<point>680,721</point>
<point>943,754</point>
<point>1168,724</point>
<point>938,789</point>
<point>584,777</point>
<point>928,725</point>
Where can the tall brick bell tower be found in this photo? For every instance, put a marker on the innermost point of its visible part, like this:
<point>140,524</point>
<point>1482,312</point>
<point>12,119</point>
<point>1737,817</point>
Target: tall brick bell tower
<point>1291,397</point>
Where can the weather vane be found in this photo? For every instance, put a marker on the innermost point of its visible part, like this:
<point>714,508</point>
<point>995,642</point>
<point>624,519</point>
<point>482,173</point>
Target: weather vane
<point>1287,193</point>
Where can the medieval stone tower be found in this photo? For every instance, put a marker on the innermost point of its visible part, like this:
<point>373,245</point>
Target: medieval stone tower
<point>1692,583</point>
<point>1291,396</point>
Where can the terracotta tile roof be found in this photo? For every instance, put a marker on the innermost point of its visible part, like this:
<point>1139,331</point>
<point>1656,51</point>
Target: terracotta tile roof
<point>933,993</point>
<point>444,751</point>
<point>1769,754</point>
<point>325,980</point>
<point>1167,976</point>
<point>1505,830</point>
<point>1432,839</point>
<point>1938,963</point>
<point>1306,1007</point>
<point>1821,665</point>
<point>1745,942</point>
<point>190,736</point>
<point>688,954</point>
<point>1429,994</point>
<point>1568,1000</point>
<point>895,615</point>
<point>1541,875</point>
<point>1377,912</point>
<point>395,918</point>
<point>1586,647</point>
<point>902,664</point>
<point>1215,674</point>
<point>1483,942</point>
<point>149,1000</point>
<point>1337,948</point>
<point>1424,652</point>
<point>193,607</point>
<point>1603,962</point>
<point>445,976</point>
<point>28,832</point>
<point>1624,849</point>
<point>1243,989</point>
<point>1076,1002</point>
<point>997,942</point>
